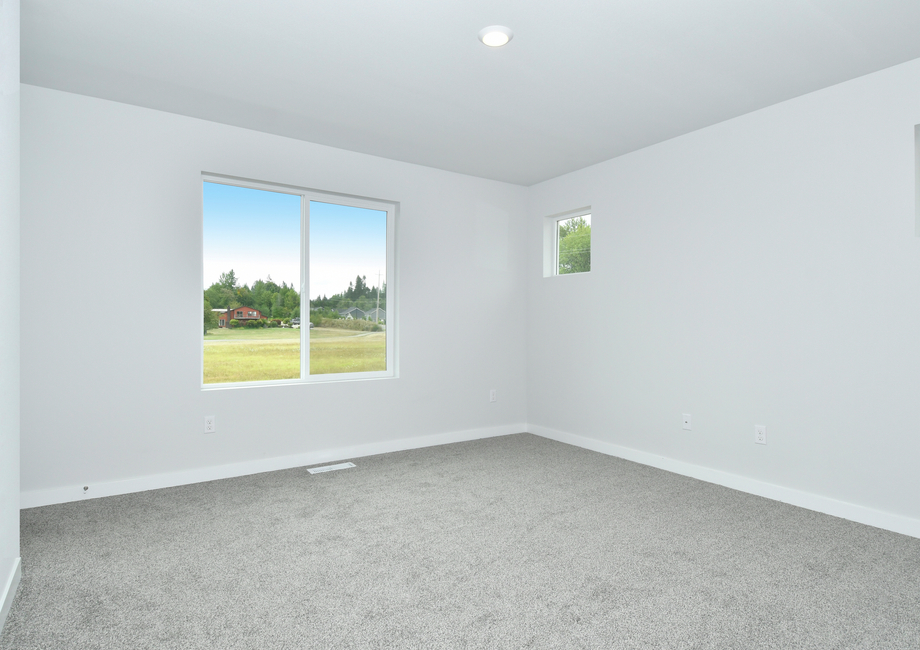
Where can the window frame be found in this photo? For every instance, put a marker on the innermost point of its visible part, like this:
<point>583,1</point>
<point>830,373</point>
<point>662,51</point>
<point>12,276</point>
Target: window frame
<point>551,241</point>
<point>307,195</point>
<point>917,180</point>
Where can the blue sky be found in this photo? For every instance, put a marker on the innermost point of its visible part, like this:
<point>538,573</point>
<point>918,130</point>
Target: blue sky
<point>345,242</point>
<point>257,234</point>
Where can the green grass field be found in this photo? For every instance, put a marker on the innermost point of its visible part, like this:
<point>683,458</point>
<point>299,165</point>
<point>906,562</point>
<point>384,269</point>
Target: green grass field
<point>264,354</point>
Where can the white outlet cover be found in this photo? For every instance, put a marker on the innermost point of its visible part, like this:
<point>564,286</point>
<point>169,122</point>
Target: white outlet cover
<point>687,422</point>
<point>209,424</point>
<point>760,434</point>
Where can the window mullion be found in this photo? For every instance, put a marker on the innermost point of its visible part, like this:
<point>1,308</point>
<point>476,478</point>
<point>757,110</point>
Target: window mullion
<point>304,287</point>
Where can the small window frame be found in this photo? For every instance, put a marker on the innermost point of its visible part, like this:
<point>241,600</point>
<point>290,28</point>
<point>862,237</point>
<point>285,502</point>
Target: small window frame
<point>551,241</point>
<point>917,180</point>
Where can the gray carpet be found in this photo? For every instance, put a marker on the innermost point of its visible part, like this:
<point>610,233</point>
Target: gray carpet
<point>513,542</point>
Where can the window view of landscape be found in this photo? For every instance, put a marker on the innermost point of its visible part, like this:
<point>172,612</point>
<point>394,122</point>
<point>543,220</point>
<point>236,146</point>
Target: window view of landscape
<point>252,306</point>
<point>574,245</point>
<point>347,244</point>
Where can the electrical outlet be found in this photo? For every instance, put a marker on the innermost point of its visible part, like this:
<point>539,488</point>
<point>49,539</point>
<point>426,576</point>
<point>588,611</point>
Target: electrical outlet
<point>493,395</point>
<point>760,434</point>
<point>209,426</point>
<point>686,422</point>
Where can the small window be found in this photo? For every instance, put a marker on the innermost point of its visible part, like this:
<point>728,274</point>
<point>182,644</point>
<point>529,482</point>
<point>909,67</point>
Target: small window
<point>567,243</point>
<point>573,245</point>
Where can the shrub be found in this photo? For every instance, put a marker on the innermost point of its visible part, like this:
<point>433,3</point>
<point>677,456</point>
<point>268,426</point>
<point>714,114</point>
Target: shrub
<point>252,324</point>
<point>234,323</point>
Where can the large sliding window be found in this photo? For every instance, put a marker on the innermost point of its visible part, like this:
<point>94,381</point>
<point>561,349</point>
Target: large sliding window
<point>295,285</point>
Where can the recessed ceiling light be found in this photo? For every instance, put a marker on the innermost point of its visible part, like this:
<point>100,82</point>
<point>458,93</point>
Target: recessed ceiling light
<point>495,36</point>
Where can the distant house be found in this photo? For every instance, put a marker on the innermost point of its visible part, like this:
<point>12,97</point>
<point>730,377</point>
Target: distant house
<point>221,317</point>
<point>376,314</point>
<point>241,314</point>
<point>352,313</point>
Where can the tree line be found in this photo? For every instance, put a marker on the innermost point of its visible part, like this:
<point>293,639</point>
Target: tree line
<point>282,302</point>
<point>359,294</point>
<point>273,300</point>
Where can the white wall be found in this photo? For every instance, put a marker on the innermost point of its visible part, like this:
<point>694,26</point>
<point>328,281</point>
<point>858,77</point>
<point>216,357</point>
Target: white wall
<point>112,227</point>
<point>761,271</point>
<point>9,298</point>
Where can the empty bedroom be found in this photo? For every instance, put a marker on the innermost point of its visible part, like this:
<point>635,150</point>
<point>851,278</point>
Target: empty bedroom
<point>459,325</point>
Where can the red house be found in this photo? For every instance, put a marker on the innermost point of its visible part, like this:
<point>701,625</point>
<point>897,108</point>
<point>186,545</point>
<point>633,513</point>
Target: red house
<point>242,314</point>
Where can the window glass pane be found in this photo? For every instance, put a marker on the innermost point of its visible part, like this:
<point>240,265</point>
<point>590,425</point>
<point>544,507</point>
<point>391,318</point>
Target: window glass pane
<point>251,284</point>
<point>348,296</point>
<point>574,245</point>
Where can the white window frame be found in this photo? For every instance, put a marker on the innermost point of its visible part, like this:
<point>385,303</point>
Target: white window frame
<point>392,211</point>
<point>551,241</point>
<point>917,179</point>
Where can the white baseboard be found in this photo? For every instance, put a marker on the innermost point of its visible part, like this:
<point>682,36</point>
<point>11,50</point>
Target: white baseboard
<point>826,505</point>
<point>36,498</point>
<point>9,590</point>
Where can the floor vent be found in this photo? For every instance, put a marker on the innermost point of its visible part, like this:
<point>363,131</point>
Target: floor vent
<point>330,468</point>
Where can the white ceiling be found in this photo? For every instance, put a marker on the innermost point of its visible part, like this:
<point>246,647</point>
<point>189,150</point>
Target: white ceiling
<point>409,80</point>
